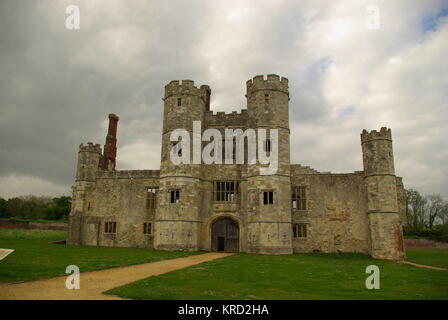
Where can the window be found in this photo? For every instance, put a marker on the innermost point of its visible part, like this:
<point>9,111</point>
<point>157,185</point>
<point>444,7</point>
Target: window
<point>177,147</point>
<point>299,198</point>
<point>110,227</point>
<point>268,197</point>
<point>174,196</point>
<point>151,198</point>
<point>225,190</point>
<point>299,230</point>
<point>179,102</point>
<point>266,97</point>
<point>147,228</point>
<point>267,145</point>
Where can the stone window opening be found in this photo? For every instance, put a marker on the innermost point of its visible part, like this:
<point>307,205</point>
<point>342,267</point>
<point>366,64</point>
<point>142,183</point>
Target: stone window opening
<point>179,102</point>
<point>299,230</point>
<point>299,198</point>
<point>177,147</point>
<point>266,97</point>
<point>174,196</point>
<point>147,228</point>
<point>225,191</point>
<point>267,145</point>
<point>151,197</point>
<point>268,197</point>
<point>110,227</point>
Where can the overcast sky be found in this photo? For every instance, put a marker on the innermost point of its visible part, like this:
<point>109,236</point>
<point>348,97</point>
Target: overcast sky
<point>57,86</point>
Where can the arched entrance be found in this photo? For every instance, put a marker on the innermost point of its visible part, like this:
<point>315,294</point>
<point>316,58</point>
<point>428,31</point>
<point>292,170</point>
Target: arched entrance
<point>225,235</point>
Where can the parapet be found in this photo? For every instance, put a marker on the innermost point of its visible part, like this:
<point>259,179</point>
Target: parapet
<point>221,118</point>
<point>298,169</point>
<point>185,87</point>
<point>128,174</point>
<point>90,147</point>
<point>383,134</point>
<point>272,82</point>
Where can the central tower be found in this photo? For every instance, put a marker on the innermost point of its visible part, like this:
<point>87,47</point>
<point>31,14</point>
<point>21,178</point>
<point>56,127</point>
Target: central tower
<point>180,192</point>
<point>268,211</point>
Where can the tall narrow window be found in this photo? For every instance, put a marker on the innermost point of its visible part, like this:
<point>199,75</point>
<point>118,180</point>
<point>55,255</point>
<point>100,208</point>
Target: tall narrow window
<point>110,227</point>
<point>175,196</point>
<point>268,197</point>
<point>147,228</point>
<point>151,198</point>
<point>266,97</point>
<point>299,230</point>
<point>179,102</point>
<point>299,198</point>
<point>225,190</point>
<point>267,145</point>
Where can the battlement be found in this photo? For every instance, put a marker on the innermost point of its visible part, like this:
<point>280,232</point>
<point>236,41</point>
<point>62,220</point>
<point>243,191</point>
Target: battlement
<point>383,134</point>
<point>222,118</point>
<point>185,87</point>
<point>128,174</point>
<point>272,82</point>
<point>90,147</point>
<point>298,169</point>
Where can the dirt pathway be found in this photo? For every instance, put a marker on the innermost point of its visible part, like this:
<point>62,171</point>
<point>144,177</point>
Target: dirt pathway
<point>421,265</point>
<point>93,283</point>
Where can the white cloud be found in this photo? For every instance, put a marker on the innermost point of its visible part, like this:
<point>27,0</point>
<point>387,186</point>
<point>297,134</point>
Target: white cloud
<point>61,85</point>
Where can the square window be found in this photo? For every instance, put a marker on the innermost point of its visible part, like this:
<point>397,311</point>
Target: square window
<point>175,196</point>
<point>147,228</point>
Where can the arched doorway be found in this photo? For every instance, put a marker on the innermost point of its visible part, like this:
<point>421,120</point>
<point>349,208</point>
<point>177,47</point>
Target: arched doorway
<point>225,235</point>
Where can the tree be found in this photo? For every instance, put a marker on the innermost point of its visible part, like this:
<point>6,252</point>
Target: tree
<point>59,208</point>
<point>415,209</point>
<point>435,206</point>
<point>3,205</point>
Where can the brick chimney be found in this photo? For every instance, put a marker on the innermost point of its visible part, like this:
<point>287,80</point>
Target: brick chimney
<point>110,147</point>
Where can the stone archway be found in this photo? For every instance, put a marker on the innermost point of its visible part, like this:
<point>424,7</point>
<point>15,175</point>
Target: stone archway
<point>225,235</point>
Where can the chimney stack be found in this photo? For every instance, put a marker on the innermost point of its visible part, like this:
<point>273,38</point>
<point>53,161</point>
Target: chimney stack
<point>110,147</point>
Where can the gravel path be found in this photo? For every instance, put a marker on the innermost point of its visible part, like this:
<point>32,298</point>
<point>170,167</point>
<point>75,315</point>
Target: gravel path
<point>94,283</point>
<point>422,265</point>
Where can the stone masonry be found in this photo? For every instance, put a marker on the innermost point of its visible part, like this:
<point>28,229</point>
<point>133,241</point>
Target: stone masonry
<point>231,207</point>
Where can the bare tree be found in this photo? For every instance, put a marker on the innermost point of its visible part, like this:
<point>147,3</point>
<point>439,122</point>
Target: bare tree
<point>415,209</point>
<point>434,208</point>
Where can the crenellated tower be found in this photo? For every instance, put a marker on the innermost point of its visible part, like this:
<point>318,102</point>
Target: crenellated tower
<point>269,195</point>
<point>89,157</point>
<point>379,174</point>
<point>177,215</point>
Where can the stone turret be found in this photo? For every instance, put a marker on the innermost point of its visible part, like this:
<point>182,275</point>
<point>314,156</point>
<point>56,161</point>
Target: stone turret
<point>177,220</point>
<point>269,224</point>
<point>89,157</point>
<point>381,184</point>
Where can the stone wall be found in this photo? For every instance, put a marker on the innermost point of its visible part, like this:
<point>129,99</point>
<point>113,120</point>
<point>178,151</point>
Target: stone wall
<point>336,213</point>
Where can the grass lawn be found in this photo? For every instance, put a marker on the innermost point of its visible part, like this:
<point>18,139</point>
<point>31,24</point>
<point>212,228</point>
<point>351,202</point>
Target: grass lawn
<point>299,276</point>
<point>431,256</point>
<point>35,258</point>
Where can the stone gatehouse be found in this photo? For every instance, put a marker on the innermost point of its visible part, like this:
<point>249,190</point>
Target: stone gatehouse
<point>231,207</point>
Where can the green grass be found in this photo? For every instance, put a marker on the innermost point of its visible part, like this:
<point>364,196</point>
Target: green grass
<point>35,258</point>
<point>299,276</point>
<point>430,256</point>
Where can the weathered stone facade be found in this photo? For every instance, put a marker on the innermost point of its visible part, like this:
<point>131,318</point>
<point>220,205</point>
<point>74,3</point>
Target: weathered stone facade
<point>231,207</point>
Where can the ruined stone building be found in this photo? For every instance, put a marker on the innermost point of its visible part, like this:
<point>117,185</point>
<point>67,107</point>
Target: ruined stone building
<point>231,207</point>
